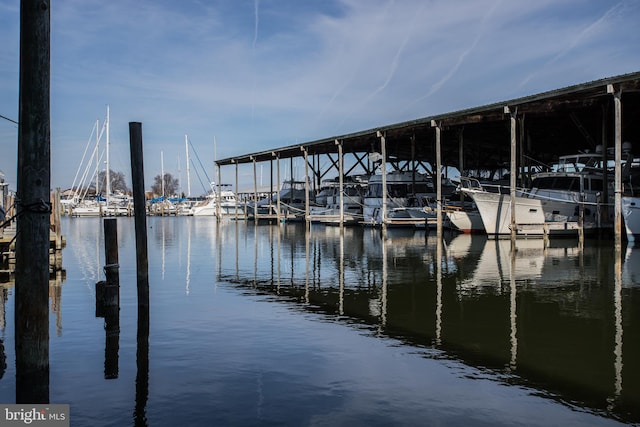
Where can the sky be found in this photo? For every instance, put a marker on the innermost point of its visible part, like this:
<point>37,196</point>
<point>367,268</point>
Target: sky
<point>240,76</point>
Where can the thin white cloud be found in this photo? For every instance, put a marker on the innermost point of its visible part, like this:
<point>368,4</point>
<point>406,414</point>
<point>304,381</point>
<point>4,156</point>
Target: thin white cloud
<point>259,75</point>
<point>577,39</point>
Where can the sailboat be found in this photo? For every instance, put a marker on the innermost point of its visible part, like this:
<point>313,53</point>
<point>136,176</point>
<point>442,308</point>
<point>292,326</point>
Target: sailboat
<point>80,204</point>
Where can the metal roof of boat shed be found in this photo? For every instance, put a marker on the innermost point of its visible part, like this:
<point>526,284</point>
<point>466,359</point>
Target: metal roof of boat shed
<point>556,122</point>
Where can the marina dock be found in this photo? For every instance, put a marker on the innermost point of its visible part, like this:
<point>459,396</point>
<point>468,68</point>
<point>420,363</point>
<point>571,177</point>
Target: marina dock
<point>509,140</point>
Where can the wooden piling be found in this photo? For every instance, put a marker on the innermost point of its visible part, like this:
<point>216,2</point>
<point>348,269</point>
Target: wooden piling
<point>111,301</point>
<point>111,268</point>
<point>34,177</point>
<point>137,178</point>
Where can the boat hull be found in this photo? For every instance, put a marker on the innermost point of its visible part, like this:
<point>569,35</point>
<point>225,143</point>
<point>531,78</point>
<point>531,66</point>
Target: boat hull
<point>631,214</point>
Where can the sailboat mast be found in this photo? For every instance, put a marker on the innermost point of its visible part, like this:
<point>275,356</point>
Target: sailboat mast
<point>97,159</point>
<point>108,172</point>
<point>162,172</point>
<point>186,144</point>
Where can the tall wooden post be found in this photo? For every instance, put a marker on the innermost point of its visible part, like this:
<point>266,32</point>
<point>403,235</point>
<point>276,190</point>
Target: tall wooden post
<point>341,183</point>
<point>461,158</point>
<point>278,201</point>
<point>236,191</point>
<point>137,178</point>
<point>383,209</point>
<point>142,269</point>
<point>617,114</point>
<point>513,173</point>
<point>255,192</point>
<point>219,195</point>
<point>33,209</point>
<point>438,180</point>
<point>306,186</point>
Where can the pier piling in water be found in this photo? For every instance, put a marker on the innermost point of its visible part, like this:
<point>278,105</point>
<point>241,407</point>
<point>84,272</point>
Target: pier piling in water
<point>137,178</point>
<point>33,206</point>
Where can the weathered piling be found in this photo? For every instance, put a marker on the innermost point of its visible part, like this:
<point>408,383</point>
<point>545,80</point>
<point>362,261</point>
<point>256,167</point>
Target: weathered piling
<point>108,299</point>
<point>142,265</point>
<point>34,177</point>
<point>137,178</point>
<point>111,268</point>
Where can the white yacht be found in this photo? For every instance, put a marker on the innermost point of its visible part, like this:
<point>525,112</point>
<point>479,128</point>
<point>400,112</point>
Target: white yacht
<point>557,202</point>
<point>409,200</point>
<point>225,198</point>
<point>327,208</point>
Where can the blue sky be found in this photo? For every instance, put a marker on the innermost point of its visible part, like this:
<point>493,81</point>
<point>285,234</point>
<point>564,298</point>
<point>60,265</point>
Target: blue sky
<point>257,75</point>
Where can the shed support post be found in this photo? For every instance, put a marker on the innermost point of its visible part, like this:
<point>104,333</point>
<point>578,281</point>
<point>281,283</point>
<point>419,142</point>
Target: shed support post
<point>617,117</point>
<point>513,171</point>
<point>236,191</point>
<point>278,186</point>
<point>306,186</point>
<point>438,173</point>
<point>255,192</point>
<point>461,159</point>
<point>383,210</point>
<point>341,183</point>
<point>218,196</point>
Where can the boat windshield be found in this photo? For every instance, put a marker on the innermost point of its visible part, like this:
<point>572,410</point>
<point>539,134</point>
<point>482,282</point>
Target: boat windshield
<point>398,190</point>
<point>579,162</point>
<point>566,183</point>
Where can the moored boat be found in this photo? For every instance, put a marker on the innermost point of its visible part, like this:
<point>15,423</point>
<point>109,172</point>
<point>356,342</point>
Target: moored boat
<point>408,200</point>
<point>561,201</point>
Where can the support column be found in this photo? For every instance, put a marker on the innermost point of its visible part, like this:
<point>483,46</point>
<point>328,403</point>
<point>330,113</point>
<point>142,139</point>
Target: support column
<point>341,182</point>
<point>306,186</point>
<point>438,180</point>
<point>513,170</point>
<point>278,185</point>
<point>461,159</point>
<point>617,117</point>
<point>218,195</point>
<point>383,150</point>
<point>255,192</point>
<point>33,206</point>
<point>236,192</point>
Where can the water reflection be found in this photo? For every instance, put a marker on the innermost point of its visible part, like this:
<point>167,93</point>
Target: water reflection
<point>552,316</point>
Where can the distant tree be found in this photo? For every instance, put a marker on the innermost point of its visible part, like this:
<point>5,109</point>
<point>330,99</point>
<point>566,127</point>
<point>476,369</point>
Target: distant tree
<point>170,185</point>
<point>118,183</point>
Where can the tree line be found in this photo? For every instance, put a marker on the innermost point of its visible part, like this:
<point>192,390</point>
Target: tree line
<point>118,183</point>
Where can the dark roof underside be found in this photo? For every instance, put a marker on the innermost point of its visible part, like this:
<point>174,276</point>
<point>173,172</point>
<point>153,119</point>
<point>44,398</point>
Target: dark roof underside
<point>557,122</point>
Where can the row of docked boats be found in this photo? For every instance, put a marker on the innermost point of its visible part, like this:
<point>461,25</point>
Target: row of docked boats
<point>577,193</point>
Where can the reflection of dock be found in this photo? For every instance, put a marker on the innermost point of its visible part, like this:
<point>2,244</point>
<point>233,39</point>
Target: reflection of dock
<point>547,315</point>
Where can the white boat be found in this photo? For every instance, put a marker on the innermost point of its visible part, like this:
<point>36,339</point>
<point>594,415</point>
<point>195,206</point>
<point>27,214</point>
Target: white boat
<point>631,215</point>
<point>87,208</point>
<point>408,204</point>
<point>327,210</point>
<point>465,220</point>
<point>293,199</point>
<point>559,202</point>
<point>226,199</point>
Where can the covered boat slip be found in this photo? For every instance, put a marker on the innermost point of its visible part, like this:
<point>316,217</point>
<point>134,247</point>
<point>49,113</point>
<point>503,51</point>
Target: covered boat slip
<point>516,137</point>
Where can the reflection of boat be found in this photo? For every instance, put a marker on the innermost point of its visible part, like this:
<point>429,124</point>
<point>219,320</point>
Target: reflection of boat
<point>408,200</point>
<point>558,201</point>
<point>631,267</point>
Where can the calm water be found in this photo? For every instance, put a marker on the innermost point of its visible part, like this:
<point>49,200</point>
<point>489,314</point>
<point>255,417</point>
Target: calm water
<point>270,325</point>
